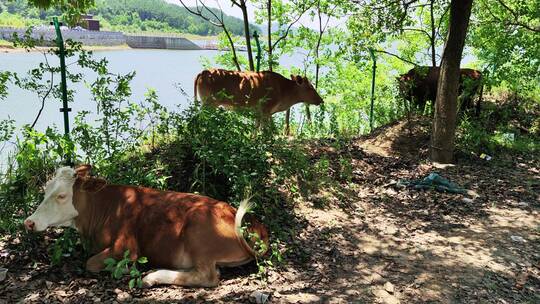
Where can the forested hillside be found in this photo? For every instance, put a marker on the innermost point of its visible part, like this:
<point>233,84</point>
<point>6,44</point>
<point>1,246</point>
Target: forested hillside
<point>127,16</point>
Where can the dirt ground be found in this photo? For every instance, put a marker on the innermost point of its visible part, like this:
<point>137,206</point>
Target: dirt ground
<point>369,242</point>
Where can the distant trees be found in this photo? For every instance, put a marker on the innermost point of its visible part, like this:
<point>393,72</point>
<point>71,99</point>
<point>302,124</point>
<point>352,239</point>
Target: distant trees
<point>132,15</point>
<point>167,14</point>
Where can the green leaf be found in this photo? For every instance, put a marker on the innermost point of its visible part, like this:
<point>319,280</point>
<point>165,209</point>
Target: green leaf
<point>142,260</point>
<point>131,283</point>
<point>117,274</point>
<point>139,282</point>
<point>134,273</point>
<point>122,263</point>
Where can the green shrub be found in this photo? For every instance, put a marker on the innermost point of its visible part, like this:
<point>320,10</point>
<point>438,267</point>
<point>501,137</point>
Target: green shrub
<point>504,127</point>
<point>126,266</point>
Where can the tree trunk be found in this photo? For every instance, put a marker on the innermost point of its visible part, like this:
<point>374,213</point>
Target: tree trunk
<point>444,123</point>
<point>269,11</point>
<point>243,7</point>
<point>432,37</point>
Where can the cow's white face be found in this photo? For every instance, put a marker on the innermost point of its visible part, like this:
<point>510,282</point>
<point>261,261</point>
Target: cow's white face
<point>57,207</point>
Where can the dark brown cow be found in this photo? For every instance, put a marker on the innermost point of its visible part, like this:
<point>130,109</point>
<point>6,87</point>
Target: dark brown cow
<point>269,92</point>
<point>419,85</point>
<point>173,230</point>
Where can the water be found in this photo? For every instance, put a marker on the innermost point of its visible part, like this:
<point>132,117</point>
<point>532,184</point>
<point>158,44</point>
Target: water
<point>162,70</point>
<point>157,69</point>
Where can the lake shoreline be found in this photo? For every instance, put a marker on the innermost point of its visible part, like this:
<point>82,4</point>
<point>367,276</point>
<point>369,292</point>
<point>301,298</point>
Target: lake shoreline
<point>8,49</point>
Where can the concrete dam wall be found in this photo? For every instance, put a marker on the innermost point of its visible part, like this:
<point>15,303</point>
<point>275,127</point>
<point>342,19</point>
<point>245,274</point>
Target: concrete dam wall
<point>102,38</point>
<point>157,42</point>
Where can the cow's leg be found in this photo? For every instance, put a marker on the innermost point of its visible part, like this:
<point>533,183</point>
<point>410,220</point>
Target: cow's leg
<point>421,105</point>
<point>96,262</point>
<point>288,122</point>
<point>478,103</point>
<point>203,275</point>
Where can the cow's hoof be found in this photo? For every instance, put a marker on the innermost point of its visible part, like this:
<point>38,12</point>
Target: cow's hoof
<point>148,281</point>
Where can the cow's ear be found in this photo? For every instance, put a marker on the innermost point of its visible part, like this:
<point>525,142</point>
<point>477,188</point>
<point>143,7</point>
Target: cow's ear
<point>92,184</point>
<point>299,80</point>
<point>83,170</point>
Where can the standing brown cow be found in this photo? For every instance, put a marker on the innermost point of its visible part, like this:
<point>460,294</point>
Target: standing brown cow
<point>188,235</point>
<point>268,92</point>
<point>419,85</point>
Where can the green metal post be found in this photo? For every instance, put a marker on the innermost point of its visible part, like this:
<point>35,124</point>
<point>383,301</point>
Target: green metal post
<point>65,109</point>
<point>256,36</point>
<point>372,53</point>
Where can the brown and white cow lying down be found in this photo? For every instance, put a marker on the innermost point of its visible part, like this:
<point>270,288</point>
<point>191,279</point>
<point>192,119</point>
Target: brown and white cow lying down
<point>268,92</point>
<point>175,231</point>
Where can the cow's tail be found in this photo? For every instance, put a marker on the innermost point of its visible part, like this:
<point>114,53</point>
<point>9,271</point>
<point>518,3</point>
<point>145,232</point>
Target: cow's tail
<point>257,233</point>
<point>195,88</point>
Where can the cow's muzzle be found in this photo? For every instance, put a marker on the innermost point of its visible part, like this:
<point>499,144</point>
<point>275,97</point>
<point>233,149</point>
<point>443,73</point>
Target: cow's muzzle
<point>29,225</point>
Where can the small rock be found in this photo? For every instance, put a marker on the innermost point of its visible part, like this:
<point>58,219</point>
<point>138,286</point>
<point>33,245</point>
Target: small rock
<point>390,230</point>
<point>517,238</point>
<point>123,296</point>
<point>48,284</point>
<point>467,200</point>
<point>117,291</point>
<point>82,291</point>
<point>3,273</point>
<point>523,204</point>
<point>96,299</point>
<point>389,287</point>
<point>390,191</point>
<point>259,297</point>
